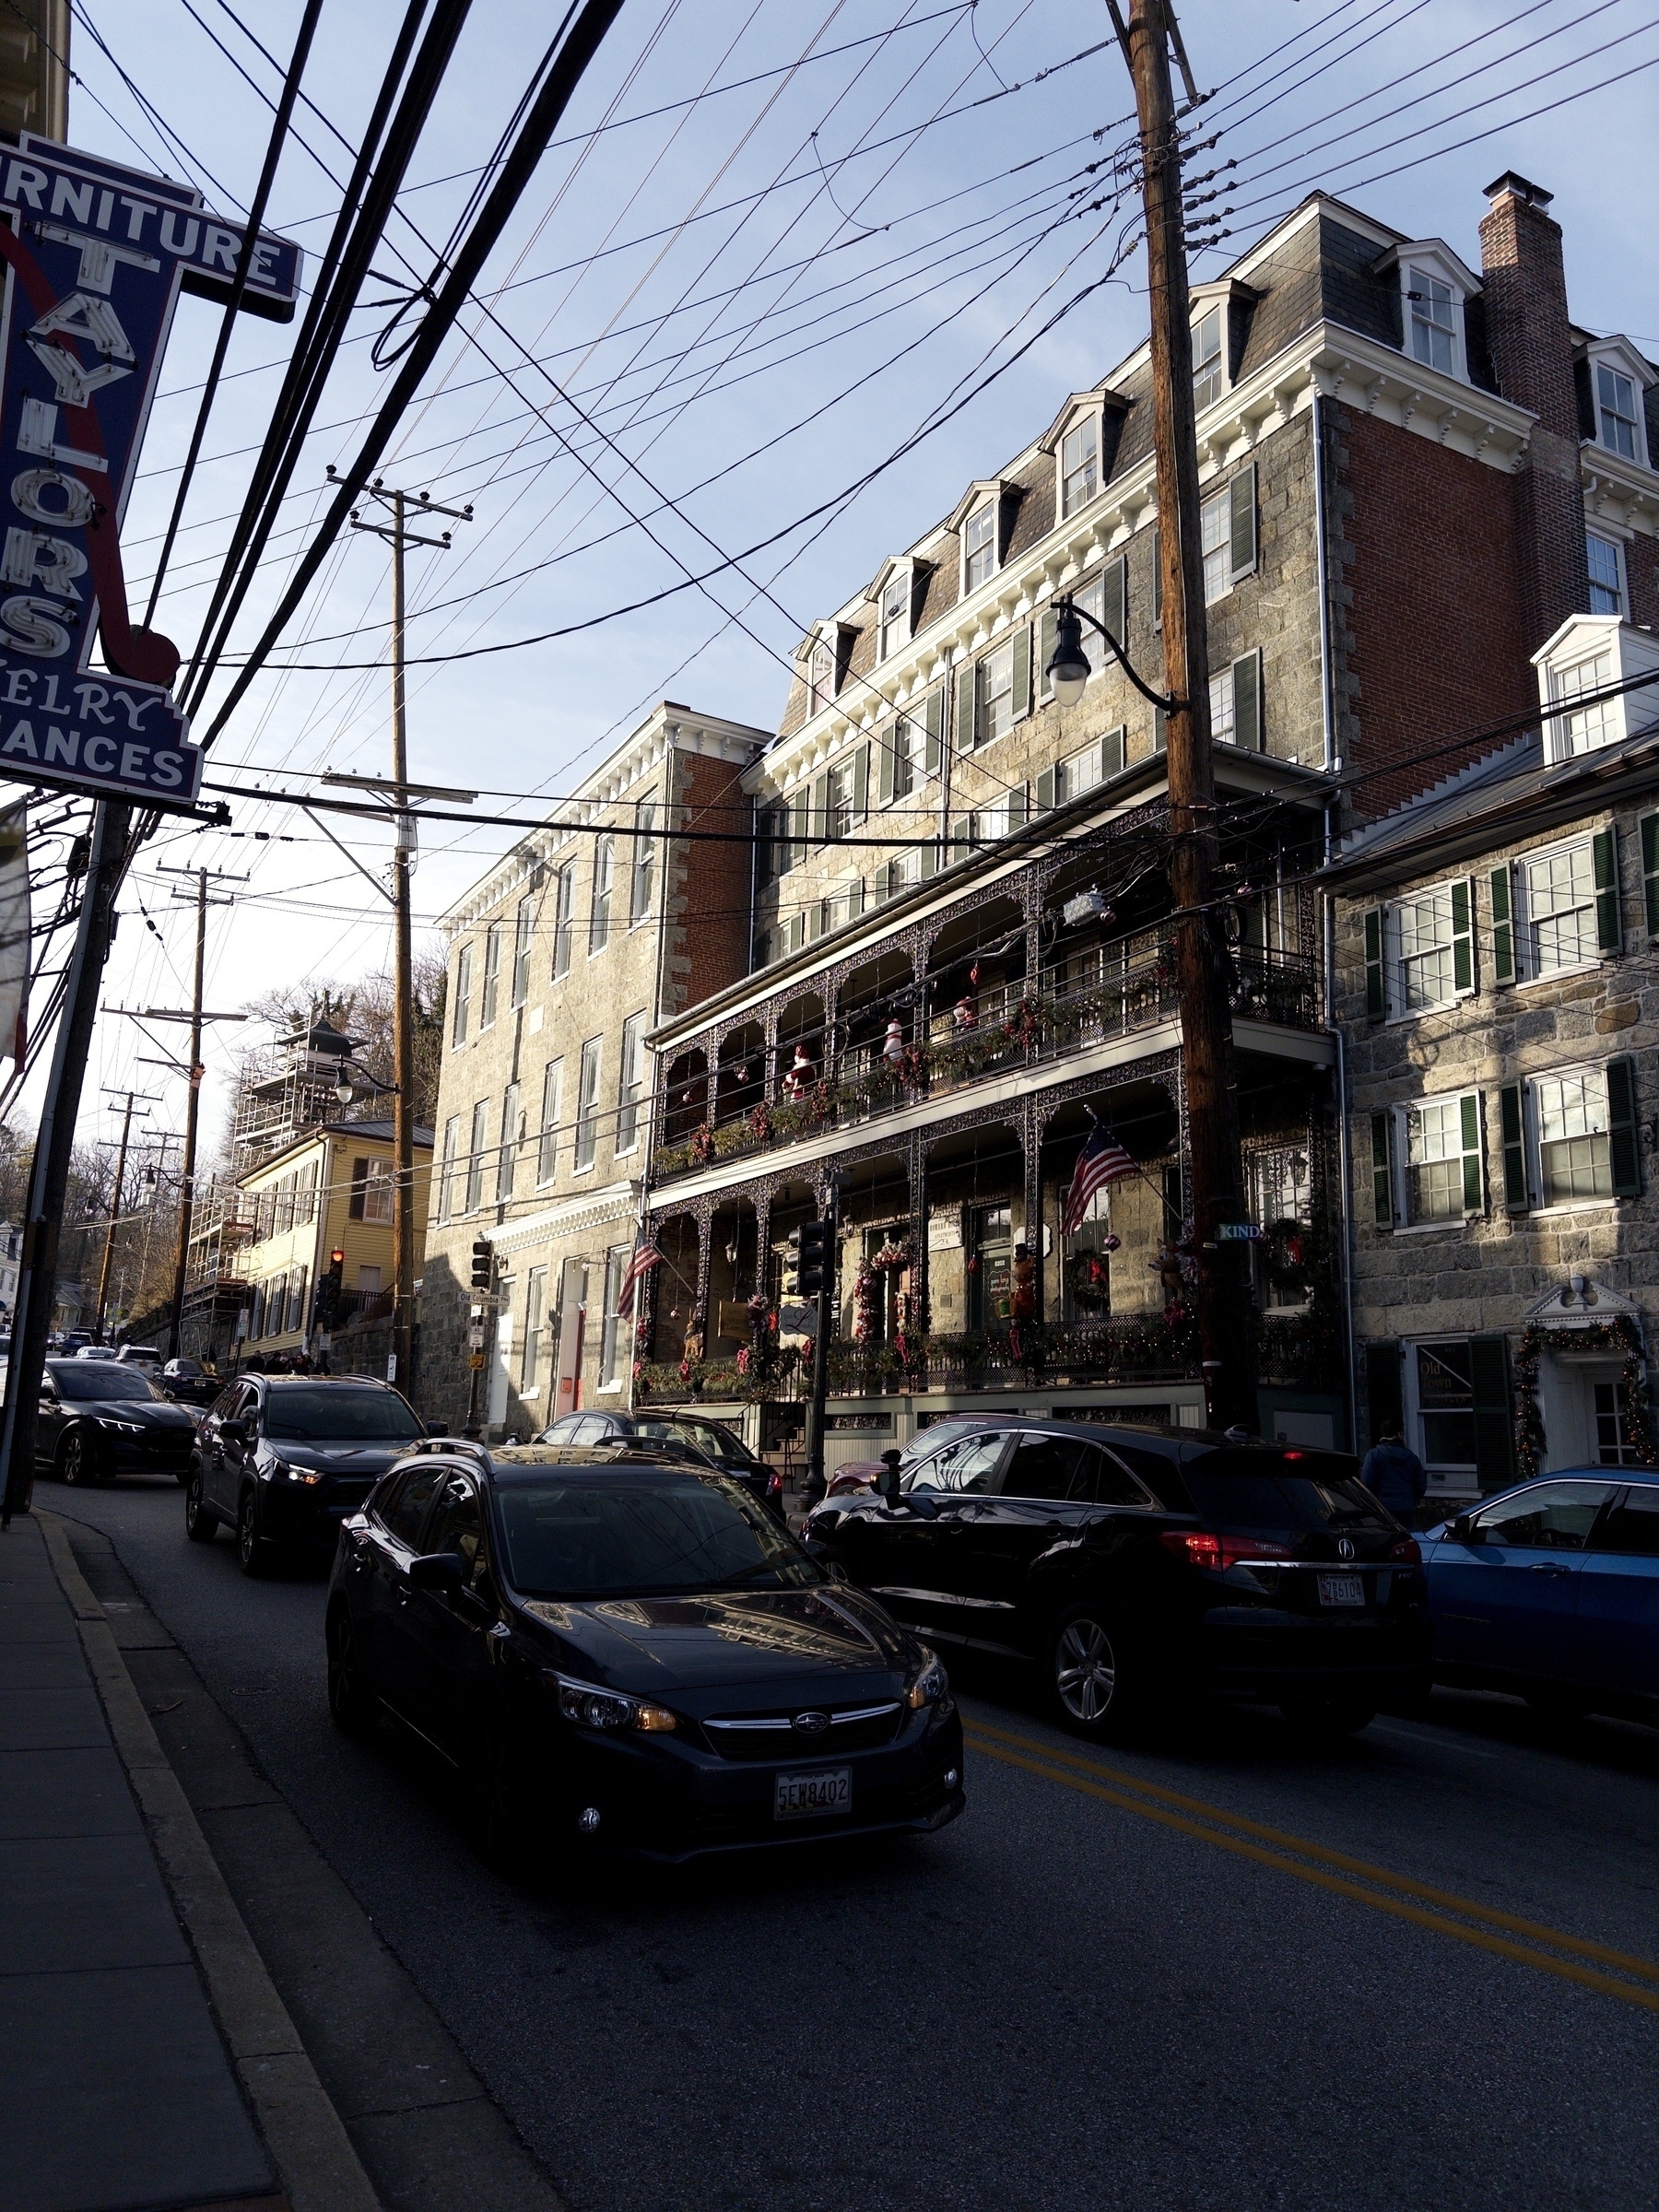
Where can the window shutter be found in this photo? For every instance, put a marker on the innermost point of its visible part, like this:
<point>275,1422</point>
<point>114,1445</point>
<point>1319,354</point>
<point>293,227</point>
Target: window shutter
<point>1512,1118</point>
<point>1608,934</point>
<point>1473,1192</point>
<point>819,832</point>
<point>1382,1391</point>
<point>961,837</point>
<point>796,851</point>
<point>1381,1179</point>
<point>1463,934</point>
<point>855,898</point>
<point>1649,870</point>
<point>1022,672</point>
<point>1623,1149</point>
<point>1114,597</point>
<point>1017,813</point>
<point>1504,929</point>
<point>964,708</point>
<point>1247,702</point>
<point>359,1183</point>
<point>930,859</point>
<point>1045,791</point>
<point>1045,651</point>
<point>1157,580</point>
<point>1159,740</point>
<point>1494,1421</point>
<point>1112,751</point>
<point>935,729</point>
<point>886,754</point>
<point>1242,517</point>
<point>861,784</point>
<point>1376,992</point>
<point>797,932</point>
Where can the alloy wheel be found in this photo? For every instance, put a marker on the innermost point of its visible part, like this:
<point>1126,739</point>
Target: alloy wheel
<point>74,1460</point>
<point>201,1523</point>
<point>1085,1670</point>
<point>252,1549</point>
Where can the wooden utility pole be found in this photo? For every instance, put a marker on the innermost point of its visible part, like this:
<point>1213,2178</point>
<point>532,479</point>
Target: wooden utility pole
<point>108,1250</point>
<point>1225,1319</point>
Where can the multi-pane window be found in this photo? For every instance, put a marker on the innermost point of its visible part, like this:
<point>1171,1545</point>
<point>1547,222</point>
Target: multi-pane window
<point>1425,929</point>
<point>1079,772</point>
<point>994,681</point>
<point>1209,374</point>
<point>1443,1158</point>
<point>506,1170</point>
<point>463,995</point>
<point>587,1103</point>
<point>1556,899</point>
<point>630,1083</point>
<point>895,613</point>
<point>1574,1142</point>
<point>1445,1397</point>
<point>536,1313</point>
<point>1216,538</point>
<point>492,975</point>
<point>979,547</point>
<point>905,740</point>
<point>564,891</point>
<point>378,1185</point>
<point>643,876</point>
<point>1616,397</point>
<point>547,1151</point>
<point>605,871</point>
<point>1434,327</point>
<point>523,936</point>
<point>838,803</point>
<point>475,1156</point>
<point>446,1170</point>
<point>1223,721</point>
<point>1583,731</point>
<point>1606,574</point>
<point>1617,1443</point>
<point>296,1298</point>
<point>1079,464</point>
<point>820,676</point>
<point>610,1337</point>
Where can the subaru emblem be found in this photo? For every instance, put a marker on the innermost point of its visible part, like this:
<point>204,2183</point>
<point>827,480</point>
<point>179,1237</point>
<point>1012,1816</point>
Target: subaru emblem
<point>1345,1550</point>
<point>811,1723</point>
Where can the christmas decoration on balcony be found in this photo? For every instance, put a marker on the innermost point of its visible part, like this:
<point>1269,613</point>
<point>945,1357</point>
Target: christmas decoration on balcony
<point>965,1015</point>
<point>1287,1254</point>
<point>801,1077</point>
<point>701,1142</point>
<point>1089,1276</point>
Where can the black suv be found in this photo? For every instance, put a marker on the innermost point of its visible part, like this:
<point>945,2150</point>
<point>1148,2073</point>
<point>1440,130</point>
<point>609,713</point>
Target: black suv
<point>1137,1564</point>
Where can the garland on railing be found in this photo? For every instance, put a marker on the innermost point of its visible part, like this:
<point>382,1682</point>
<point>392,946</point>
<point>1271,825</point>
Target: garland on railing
<point>1620,1334</point>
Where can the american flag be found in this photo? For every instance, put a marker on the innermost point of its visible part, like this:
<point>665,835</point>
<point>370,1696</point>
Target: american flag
<point>646,1256</point>
<point>1102,1161</point>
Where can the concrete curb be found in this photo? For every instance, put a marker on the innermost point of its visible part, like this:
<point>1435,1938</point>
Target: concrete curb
<point>314,2158</point>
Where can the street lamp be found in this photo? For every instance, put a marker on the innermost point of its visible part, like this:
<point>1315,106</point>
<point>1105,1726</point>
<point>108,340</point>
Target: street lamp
<point>350,1074</point>
<point>1068,665</point>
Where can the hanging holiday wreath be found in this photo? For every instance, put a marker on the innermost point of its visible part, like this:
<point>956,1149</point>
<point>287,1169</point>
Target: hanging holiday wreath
<point>1287,1257</point>
<point>1088,1278</point>
<point>702,1146</point>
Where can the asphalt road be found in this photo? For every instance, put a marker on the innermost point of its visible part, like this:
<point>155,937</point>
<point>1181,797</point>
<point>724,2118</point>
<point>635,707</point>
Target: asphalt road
<point>1230,1973</point>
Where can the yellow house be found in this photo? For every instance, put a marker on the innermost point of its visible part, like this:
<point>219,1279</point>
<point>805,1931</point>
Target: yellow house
<point>328,1190</point>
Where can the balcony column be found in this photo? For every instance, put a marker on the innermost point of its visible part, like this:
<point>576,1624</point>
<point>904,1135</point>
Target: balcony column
<point>916,1169</point>
<point>773,1083</point>
<point>702,1211</point>
<point>1031,899</point>
<point>762,1239</point>
<point>1032,1121</point>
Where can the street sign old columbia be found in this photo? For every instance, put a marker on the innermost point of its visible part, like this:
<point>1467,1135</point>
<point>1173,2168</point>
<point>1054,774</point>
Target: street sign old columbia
<point>95,258</point>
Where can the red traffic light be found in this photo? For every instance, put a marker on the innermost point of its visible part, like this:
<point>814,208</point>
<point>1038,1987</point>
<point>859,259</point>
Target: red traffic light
<point>337,1257</point>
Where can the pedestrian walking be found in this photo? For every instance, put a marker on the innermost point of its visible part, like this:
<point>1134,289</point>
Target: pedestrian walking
<point>1393,1474</point>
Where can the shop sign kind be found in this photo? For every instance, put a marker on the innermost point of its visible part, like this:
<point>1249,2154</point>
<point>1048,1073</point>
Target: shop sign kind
<point>95,256</point>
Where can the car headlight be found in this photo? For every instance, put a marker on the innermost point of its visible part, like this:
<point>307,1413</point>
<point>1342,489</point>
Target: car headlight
<point>931,1684</point>
<point>126,1428</point>
<point>280,1468</point>
<point>608,1710</point>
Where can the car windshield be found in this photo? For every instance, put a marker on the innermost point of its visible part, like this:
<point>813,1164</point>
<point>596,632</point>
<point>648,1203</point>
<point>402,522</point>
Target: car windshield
<point>312,1414</point>
<point>707,1437</point>
<point>85,1381</point>
<point>1291,1495</point>
<point>632,1535</point>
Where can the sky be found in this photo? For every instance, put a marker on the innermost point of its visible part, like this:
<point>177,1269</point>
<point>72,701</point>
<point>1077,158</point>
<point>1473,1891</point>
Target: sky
<point>771,245</point>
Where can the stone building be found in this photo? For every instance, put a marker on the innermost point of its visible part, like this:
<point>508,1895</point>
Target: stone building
<point>632,902</point>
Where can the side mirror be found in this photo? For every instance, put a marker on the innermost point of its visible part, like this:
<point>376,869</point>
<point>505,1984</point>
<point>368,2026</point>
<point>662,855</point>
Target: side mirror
<point>234,1432</point>
<point>437,1429</point>
<point>836,1571</point>
<point>438,1571</point>
<point>1461,1528</point>
<point>887,1482</point>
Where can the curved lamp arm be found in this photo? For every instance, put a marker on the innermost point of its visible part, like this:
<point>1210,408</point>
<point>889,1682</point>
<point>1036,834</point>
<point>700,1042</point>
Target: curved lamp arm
<point>1068,650</point>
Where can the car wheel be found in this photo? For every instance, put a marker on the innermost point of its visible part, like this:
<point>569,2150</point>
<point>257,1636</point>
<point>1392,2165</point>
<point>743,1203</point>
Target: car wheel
<point>1326,1720</point>
<point>1091,1676</point>
<point>76,1462</point>
<point>201,1523</point>
<point>252,1550</point>
<point>350,1706</point>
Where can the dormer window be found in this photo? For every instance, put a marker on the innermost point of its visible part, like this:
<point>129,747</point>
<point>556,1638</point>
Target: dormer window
<point>1433,321</point>
<point>1435,285</point>
<point>820,676</point>
<point>1591,656</point>
<point>1616,407</point>
<point>1079,464</point>
<point>1209,370</point>
<point>979,547</point>
<point>896,613</point>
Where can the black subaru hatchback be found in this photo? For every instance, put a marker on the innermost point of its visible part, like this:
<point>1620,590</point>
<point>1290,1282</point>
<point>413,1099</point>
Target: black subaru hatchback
<point>629,1651</point>
<point>1142,1565</point>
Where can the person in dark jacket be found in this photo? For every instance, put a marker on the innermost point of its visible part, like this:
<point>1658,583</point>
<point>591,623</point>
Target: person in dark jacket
<point>1395,1475</point>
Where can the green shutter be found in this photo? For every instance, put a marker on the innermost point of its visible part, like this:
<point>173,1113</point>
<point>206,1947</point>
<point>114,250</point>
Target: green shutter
<point>887,745</point>
<point>1157,580</point>
<point>935,729</point>
<point>1045,651</point>
<point>1494,1421</point>
<point>961,837</point>
<point>1381,1179</point>
<point>1384,1398</point>
<point>1623,1146</point>
<point>1241,515</point>
<point>797,932</point>
<point>1022,671</point>
<point>930,859</point>
<point>1513,1120</point>
<point>965,717</point>
<point>1609,933</point>
<point>1463,934</point>
<point>861,784</point>
<point>799,827</point>
<point>1376,989</point>
<point>1046,784</point>
<point>1112,751</point>
<point>1018,813</point>
<point>1247,702</point>
<point>1649,870</point>
<point>1114,598</point>
<point>1474,1192</point>
<point>819,830</point>
<point>1504,929</point>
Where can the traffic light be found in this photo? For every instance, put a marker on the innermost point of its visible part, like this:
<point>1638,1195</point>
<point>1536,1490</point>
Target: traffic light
<point>809,1248</point>
<point>329,1289</point>
<point>483,1264</point>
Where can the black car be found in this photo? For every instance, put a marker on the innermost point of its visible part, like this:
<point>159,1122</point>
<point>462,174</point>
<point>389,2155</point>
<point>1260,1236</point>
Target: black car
<point>284,1458</point>
<point>632,1654</point>
<point>190,1383</point>
<point>692,1434</point>
<point>97,1421</point>
<point>1138,1565</point>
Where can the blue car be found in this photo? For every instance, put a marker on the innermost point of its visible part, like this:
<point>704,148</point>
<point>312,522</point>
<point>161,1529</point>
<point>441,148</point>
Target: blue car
<point>1552,1590</point>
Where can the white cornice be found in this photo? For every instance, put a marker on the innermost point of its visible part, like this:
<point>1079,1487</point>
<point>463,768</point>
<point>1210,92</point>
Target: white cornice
<point>1618,491</point>
<point>613,1202</point>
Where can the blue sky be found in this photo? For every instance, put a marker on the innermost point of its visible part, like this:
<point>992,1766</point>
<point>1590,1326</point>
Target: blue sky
<point>752,299</point>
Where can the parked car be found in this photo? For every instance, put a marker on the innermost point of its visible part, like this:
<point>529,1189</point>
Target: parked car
<point>98,1419</point>
<point>710,1442</point>
<point>69,1341</point>
<point>1140,1565</point>
<point>855,1475</point>
<point>283,1458</point>
<point>1551,1590</point>
<point>634,1656</point>
<point>146,1356</point>
<point>190,1383</point>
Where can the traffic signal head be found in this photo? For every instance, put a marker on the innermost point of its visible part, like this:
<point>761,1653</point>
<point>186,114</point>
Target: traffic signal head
<point>809,1245</point>
<point>337,1259</point>
<point>483,1264</point>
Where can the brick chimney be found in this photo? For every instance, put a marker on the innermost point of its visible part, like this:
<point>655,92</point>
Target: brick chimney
<point>1529,340</point>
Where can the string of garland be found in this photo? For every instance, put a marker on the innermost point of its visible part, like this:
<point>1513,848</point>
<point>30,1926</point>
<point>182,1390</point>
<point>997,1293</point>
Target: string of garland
<point>1619,1335</point>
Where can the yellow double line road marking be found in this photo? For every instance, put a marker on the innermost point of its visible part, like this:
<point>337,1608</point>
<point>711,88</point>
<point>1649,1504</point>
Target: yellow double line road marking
<point>1635,1981</point>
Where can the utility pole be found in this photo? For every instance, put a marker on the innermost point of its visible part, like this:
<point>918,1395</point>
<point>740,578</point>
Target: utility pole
<point>1226,1329</point>
<point>108,1250</point>
<point>398,535</point>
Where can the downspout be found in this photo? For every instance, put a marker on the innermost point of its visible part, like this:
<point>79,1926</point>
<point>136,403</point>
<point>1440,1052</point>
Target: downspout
<point>1344,1150</point>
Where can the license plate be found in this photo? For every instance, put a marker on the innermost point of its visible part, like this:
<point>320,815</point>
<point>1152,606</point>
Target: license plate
<point>1341,1590</point>
<point>813,1796</point>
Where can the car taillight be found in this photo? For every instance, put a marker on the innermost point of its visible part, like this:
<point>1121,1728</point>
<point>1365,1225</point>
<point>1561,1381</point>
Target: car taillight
<point>1199,1547</point>
<point>1408,1550</point>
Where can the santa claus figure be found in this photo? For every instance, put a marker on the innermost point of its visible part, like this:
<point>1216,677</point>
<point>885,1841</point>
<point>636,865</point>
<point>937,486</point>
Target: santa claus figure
<point>965,1015</point>
<point>801,1077</point>
<point>892,1050</point>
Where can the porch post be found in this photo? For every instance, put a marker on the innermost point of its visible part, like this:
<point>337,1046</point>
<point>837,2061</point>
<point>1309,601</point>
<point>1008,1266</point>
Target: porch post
<point>1032,1121</point>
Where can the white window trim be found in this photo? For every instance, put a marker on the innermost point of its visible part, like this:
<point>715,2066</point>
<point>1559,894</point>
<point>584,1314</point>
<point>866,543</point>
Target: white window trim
<point>1446,1478</point>
<point>1617,354</point>
<point>1435,259</point>
<point>991,504</point>
<point>1618,540</point>
<point>1392,972</point>
<point>1202,309</point>
<point>1400,1165</point>
<point>1530,1136</point>
<point>1079,415</point>
<point>1518,920</point>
